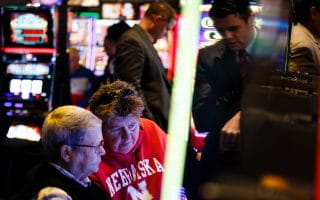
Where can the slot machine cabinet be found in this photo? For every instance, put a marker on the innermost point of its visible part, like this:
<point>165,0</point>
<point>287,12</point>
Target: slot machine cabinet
<point>27,70</point>
<point>279,112</point>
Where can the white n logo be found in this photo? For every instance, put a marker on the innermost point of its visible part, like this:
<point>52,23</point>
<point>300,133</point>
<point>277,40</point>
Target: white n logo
<point>143,194</point>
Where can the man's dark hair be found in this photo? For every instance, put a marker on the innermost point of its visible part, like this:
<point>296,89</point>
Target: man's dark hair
<point>115,31</point>
<point>222,8</point>
<point>301,10</point>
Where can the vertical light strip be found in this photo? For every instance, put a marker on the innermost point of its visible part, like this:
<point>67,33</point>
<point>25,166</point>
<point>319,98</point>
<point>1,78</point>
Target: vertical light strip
<point>89,42</point>
<point>181,98</point>
<point>93,45</point>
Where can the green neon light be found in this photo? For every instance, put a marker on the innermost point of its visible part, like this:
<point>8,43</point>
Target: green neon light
<point>90,14</point>
<point>181,99</point>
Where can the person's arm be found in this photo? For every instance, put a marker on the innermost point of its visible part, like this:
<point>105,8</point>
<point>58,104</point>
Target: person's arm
<point>203,100</point>
<point>210,110</point>
<point>301,59</point>
<point>130,62</point>
<point>230,133</point>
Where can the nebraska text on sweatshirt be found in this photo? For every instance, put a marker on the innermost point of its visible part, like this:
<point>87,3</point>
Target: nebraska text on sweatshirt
<point>138,174</point>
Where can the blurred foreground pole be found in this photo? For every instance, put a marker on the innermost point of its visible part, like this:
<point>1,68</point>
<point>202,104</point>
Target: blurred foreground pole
<point>181,99</point>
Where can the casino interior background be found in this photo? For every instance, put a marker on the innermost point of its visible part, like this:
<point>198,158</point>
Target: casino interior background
<point>282,107</point>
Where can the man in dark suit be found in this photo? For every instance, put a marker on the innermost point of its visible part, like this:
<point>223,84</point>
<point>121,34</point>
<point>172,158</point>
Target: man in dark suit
<point>221,75</point>
<point>138,62</point>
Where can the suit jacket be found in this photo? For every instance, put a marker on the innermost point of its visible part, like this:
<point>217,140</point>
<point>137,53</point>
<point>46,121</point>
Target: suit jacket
<point>218,87</point>
<point>44,175</point>
<point>305,50</point>
<point>138,63</point>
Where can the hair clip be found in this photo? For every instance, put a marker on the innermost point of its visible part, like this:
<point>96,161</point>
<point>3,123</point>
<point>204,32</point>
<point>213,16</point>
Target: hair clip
<point>119,94</point>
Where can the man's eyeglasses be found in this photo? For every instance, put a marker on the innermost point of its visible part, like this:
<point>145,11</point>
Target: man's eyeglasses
<point>96,148</point>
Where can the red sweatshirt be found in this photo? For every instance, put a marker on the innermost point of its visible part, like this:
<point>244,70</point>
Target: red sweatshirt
<point>138,174</point>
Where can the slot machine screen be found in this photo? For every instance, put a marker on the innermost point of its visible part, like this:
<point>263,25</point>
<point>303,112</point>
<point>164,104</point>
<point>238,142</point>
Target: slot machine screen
<point>25,132</point>
<point>208,33</point>
<point>36,87</point>
<point>15,85</point>
<point>47,2</point>
<point>27,28</point>
<point>117,10</point>
<point>84,3</point>
<point>29,69</point>
<point>25,87</point>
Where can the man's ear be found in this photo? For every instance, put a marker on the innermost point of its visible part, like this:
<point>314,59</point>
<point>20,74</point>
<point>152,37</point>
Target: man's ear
<point>66,153</point>
<point>157,18</point>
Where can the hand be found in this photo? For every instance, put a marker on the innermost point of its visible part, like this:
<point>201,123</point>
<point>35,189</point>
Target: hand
<point>230,133</point>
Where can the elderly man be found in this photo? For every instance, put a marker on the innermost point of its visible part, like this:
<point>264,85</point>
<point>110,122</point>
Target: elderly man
<point>73,145</point>
<point>138,62</point>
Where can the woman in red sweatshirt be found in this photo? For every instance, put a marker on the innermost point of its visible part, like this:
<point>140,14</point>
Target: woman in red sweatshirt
<point>132,167</point>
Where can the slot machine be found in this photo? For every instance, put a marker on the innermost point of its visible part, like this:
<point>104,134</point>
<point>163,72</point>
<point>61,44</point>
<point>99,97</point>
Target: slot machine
<point>27,69</point>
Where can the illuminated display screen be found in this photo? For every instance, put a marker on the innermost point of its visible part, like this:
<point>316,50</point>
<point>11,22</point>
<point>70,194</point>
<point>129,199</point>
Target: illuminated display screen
<point>24,132</point>
<point>47,2</point>
<point>117,10</point>
<point>208,33</point>
<point>80,30</point>
<point>36,87</point>
<point>25,87</point>
<point>28,28</point>
<point>15,86</point>
<point>33,69</point>
<point>85,3</point>
<point>143,8</point>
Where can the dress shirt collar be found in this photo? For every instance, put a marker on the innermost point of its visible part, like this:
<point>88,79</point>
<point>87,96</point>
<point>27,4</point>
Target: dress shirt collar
<point>253,40</point>
<point>85,183</point>
<point>250,46</point>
